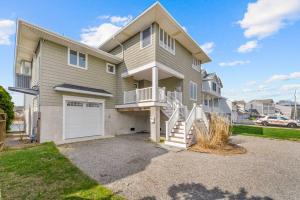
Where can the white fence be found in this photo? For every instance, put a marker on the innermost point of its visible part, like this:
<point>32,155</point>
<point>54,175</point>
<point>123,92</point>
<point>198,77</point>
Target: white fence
<point>143,95</point>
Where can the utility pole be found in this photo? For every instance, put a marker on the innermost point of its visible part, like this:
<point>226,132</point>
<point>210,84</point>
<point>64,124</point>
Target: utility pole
<point>295,105</point>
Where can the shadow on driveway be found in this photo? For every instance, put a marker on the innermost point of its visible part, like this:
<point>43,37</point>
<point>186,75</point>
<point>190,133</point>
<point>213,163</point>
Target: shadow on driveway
<point>115,158</point>
<point>192,191</point>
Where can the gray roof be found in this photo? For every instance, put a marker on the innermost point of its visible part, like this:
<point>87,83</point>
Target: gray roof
<point>83,88</point>
<point>262,101</point>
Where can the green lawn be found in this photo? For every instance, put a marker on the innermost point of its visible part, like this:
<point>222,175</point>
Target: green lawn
<point>41,172</point>
<point>278,133</point>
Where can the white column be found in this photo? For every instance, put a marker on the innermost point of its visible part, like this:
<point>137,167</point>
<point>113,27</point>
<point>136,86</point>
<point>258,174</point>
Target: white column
<point>155,124</point>
<point>155,83</point>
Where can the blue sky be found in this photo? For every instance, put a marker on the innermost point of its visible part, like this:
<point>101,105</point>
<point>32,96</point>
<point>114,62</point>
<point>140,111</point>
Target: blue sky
<point>254,45</point>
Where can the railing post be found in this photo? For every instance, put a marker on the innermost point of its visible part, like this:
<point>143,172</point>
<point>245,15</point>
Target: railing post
<point>154,83</point>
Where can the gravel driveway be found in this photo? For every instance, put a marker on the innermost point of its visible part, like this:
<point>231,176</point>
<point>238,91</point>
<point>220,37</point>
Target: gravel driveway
<point>138,169</point>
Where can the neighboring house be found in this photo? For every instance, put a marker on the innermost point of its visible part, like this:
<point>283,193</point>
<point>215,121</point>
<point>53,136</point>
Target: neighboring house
<point>239,105</point>
<point>136,81</point>
<point>213,102</point>
<point>262,106</point>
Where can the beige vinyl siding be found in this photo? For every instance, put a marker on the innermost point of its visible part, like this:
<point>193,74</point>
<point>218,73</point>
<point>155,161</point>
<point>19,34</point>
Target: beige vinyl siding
<point>55,70</point>
<point>134,57</point>
<point>181,62</point>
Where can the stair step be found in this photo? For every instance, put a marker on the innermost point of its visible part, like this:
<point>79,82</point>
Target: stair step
<point>176,139</point>
<point>174,130</point>
<point>175,144</point>
<point>178,135</point>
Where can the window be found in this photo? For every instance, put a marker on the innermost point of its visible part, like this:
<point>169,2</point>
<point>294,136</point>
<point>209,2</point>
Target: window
<point>205,102</point>
<point>110,68</point>
<point>166,41</point>
<point>75,103</point>
<point>214,86</point>
<point>196,64</point>
<point>219,90</point>
<point>77,59</point>
<point>146,37</point>
<point>193,91</point>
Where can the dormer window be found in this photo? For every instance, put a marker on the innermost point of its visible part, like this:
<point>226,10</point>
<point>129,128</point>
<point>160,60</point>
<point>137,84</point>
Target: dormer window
<point>146,37</point>
<point>166,41</point>
<point>196,64</point>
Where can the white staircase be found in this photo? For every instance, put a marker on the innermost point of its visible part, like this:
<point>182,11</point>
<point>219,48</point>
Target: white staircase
<point>180,127</point>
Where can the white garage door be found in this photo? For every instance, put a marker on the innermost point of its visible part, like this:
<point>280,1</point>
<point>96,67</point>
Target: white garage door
<point>83,119</point>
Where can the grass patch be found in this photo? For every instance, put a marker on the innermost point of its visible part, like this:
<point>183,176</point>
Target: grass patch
<point>41,172</point>
<point>268,132</point>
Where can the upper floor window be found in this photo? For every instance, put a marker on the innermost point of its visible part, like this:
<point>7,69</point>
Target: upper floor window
<point>196,64</point>
<point>214,86</point>
<point>166,41</point>
<point>110,68</point>
<point>77,59</point>
<point>146,37</point>
<point>219,90</point>
<point>193,91</point>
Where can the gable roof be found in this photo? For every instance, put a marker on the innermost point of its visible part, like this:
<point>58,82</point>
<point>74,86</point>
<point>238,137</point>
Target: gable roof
<point>211,76</point>
<point>29,35</point>
<point>156,13</point>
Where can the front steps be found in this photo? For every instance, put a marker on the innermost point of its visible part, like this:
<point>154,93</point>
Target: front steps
<point>176,138</point>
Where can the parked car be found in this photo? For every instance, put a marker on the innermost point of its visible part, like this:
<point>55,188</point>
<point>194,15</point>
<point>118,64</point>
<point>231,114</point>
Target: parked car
<point>278,121</point>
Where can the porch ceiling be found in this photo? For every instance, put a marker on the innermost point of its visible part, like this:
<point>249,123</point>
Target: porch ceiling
<point>147,75</point>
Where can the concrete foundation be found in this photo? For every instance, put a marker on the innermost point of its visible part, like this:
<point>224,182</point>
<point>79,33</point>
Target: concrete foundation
<point>116,123</point>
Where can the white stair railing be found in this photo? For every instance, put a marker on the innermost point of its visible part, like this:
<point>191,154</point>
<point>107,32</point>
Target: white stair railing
<point>202,115</point>
<point>171,122</point>
<point>189,121</point>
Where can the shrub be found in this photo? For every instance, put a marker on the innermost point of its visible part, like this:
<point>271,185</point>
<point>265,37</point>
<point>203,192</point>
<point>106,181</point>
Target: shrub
<point>218,134</point>
<point>7,106</point>
<point>247,129</point>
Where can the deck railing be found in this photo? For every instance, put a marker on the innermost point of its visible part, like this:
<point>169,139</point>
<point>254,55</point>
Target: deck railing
<point>143,95</point>
<point>22,81</point>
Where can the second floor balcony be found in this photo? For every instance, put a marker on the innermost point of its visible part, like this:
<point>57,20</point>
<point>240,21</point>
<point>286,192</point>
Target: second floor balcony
<point>144,95</point>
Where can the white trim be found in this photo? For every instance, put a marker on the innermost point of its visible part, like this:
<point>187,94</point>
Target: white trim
<point>149,66</point>
<point>162,43</point>
<point>78,66</point>
<point>142,104</point>
<point>62,89</point>
<point>46,34</point>
<point>114,66</point>
<point>141,37</point>
<point>190,94</point>
<point>76,98</point>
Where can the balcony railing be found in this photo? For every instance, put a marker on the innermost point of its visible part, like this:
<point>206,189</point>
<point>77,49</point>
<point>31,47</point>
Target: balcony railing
<point>22,81</point>
<point>143,95</point>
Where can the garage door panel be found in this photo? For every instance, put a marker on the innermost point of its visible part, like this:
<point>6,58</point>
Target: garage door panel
<point>83,119</point>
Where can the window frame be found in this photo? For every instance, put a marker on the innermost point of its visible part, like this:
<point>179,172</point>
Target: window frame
<point>193,87</point>
<point>166,41</point>
<point>78,66</point>
<point>141,37</point>
<point>212,86</point>
<point>194,64</point>
<point>114,67</point>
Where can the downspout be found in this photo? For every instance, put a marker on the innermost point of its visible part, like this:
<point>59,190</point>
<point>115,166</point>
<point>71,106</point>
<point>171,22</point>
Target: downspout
<point>121,45</point>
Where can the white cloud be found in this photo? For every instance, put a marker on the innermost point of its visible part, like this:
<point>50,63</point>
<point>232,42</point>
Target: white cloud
<point>283,77</point>
<point>234,63</point>
<point>7,29</point>
<point>96,35</point>
<point>208,47</point>
<point>266,17</point>
<point>248,46</point>
<point>251,83</point>
<point>289,87</point>
<point>117,20</point>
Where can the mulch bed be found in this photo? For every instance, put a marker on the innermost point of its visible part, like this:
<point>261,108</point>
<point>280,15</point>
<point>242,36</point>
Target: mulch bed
<point>228,149</point>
